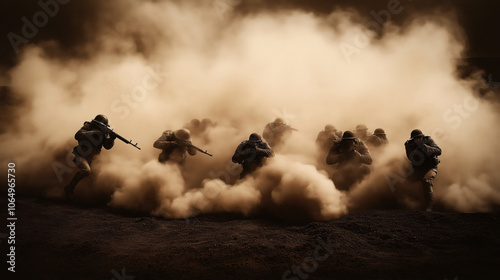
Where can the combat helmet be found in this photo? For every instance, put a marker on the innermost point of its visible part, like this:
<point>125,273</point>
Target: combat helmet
<point>102,119</point>
<point>254,137</point>
<point>416,133</point>
<point>279,121</point>
<point>330,127</point>
<point>361,127</point>
<point>183,134</point>
<point>348,135</point>
<point>379,131</point>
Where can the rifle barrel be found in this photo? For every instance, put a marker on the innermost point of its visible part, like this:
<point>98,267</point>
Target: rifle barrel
<point>106,129</point>
<point>201,151</point>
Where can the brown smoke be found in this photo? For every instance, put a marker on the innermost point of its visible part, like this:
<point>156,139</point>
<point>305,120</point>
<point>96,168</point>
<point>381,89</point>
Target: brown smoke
<point>160,64</point>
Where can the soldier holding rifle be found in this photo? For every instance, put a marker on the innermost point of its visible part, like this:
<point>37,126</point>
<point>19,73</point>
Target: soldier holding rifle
<point>351,156</point>
<point>91,138</point>
<point>175,145</point>
<point>251,154</point>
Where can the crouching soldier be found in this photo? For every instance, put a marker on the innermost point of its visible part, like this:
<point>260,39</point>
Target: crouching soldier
<point>378,139</point>
<point>174,146</point>
<point>90,142</point>
<point>327,137</point>
<point>361,132</point>
<point>352,157</point>
<point>423,154</point>
<point>277,132</point>
<point>251,154</point>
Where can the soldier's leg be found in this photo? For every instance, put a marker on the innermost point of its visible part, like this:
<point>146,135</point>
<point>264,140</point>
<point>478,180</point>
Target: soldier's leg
<point>163,156</point>
<point>177,156</point>
<point>427,187</point>
<point>363,172</point>
<point>248,168</point>
<point>84,171</point>
<point>342,179</point>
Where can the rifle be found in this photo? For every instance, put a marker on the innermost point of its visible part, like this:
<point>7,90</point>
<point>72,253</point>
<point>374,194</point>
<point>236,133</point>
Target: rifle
<point>104,128</point>
<point>198,149</point>
<point>290,127</point>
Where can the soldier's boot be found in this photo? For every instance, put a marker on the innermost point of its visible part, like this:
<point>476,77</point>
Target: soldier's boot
<point>428,195</point>
<point>68,190</point>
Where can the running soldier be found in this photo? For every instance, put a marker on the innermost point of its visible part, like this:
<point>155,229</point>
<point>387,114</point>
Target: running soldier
<point>423,154</point>
<point>90,139</point>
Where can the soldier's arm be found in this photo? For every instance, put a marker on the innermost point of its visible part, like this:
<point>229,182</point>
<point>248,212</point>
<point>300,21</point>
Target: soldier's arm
<point>163,142</point>
<point>238,155</point>
<point>374,141</point>
<point>332,157</point>
<point>364,153</point>
<point>431,148</point>
<point>190,149</point>
<point>87,132</point>
<point>414,153</point>
<point>108,142</point>
<point>409,149</point>
<point>80,134</point>
<point>264,150</point>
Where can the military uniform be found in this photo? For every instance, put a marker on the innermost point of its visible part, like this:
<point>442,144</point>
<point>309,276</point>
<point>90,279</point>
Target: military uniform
<point>378,138</point>
<point>351,156</point>
<point>361,132</point>
<point>174,145</point>
<point>423,154</point>
<point>90,142</point>
<point>251,154</point>
<point>275,133</point>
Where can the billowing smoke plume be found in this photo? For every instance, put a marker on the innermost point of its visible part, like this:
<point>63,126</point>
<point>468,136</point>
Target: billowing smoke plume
<point>153,66</point>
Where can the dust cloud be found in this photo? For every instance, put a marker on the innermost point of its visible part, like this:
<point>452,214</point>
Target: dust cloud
<point>155,65</point>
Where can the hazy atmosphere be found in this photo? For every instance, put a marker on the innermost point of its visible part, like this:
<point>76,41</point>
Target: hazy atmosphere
<point>151,66</point>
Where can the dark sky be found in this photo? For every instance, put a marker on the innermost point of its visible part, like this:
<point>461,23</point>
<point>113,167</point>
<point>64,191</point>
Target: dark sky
<point>76,20</point>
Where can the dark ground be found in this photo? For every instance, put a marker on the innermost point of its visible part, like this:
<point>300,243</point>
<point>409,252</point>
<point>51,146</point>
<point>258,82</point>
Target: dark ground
<point>58,240</point>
